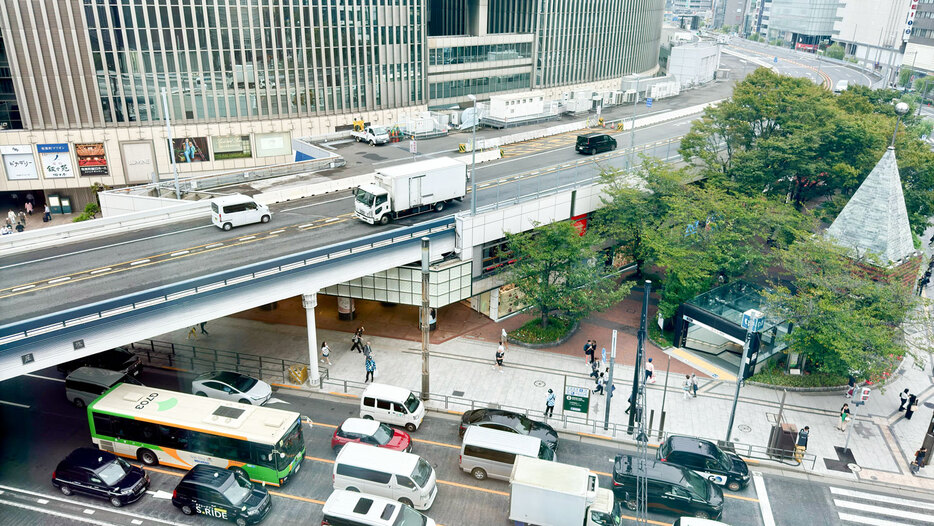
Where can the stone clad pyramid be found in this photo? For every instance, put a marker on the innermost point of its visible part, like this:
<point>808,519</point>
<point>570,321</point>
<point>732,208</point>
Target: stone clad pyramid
<point>875,220</point>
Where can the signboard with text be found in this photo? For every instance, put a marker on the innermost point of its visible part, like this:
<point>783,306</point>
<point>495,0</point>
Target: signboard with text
<point>56,163</point>
<point>577,399</point>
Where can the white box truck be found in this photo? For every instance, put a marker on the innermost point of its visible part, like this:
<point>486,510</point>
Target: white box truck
<point>409,189</point>
<point>544,493</point>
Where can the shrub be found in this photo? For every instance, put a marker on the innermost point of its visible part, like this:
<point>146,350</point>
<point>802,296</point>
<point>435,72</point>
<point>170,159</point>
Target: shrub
<point>773,375</point>
<point>532,331</point>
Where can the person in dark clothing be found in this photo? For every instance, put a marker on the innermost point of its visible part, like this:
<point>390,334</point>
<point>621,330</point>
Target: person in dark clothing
<point>357,340</point>
<point>803,437</point>
<point>912,406</point>
<point>904,398</point>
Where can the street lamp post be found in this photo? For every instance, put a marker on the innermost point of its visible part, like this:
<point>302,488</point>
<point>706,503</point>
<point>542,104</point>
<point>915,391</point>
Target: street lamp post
<point>168,128</point>
<point>473,160</point>
<point>752,322</point>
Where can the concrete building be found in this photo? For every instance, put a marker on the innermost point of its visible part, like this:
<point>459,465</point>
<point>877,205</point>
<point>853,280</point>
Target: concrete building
<point>728,13</point>
<point>918,35</point>
<point>694,63</point>
<point>81,81</point>
<point>873,32</point>
<point>761,15</point>
<point>805,23</point>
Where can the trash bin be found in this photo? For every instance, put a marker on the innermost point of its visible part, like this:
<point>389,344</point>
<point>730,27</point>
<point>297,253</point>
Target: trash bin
<point>782,440</point>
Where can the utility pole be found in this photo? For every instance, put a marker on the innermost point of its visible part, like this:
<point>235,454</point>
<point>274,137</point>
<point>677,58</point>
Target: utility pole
<point>423,315</point>
<point>634,406</point>
<point>168,127</point>
<point>473,160</point>
<point>609,383</point>
<point>752,322</point>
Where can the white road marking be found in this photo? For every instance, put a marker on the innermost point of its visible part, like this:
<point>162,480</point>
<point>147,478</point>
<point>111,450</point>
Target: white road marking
<point>31,375</point>
<point>214,245</point>
<point>764,505</point>
<point>42,501</point>
<point>59,280</point>
<point>98,271</point>
<point>139,262</point>
<point>14,404</point>
<point>55,513</point>
<point>17,289</point>
<point>182,253</point>
<point>333,219</point>
<point>276,401</point>
<point>881,498</point>
<point>892,512</point>
<point>306,226</point>
<point>247,238</point>
<point>276,232</point>
<point>88,512</point>
<point>89,506</point>
<point>136,521</point>
<point>160,494</point>
<point>316,204</point>
<point>868,521</point>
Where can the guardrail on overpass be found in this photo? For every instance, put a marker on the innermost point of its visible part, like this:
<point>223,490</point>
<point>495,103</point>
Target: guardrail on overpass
<point>132,304</point>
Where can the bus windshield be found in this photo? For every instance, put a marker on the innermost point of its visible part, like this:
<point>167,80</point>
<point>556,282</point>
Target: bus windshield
<point>292,443</point>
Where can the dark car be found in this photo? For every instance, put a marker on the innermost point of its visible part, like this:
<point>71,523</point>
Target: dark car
<point>706,459</point>
<point>118,359</point>
<point>224,494</point>
<point>595,143</point>
<point>502,420</point>
<point>100,474</point>
<point>671,488</point>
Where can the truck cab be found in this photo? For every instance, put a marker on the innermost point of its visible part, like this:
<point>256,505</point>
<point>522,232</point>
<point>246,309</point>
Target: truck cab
<point>372,205</point>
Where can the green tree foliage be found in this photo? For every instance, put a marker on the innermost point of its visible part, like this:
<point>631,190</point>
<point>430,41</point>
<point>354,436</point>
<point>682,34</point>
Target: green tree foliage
<point>844,321</point>
<point>559,272</point>
<point>835,51</point>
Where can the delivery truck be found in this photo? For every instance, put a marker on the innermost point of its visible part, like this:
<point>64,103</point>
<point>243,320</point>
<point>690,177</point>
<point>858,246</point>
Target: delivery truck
<point>409,189</point>
<point>371,135</point>
<point>544,493</point>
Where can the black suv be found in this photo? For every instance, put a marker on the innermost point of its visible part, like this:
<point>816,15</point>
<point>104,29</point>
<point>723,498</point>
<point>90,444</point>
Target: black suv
<point>119,359</point>
<point>706,459</point>
<point>217,492</point>
<point>671,488</point>
<point>595,143</point>
<point>100,474</point>
<point>502,420</point>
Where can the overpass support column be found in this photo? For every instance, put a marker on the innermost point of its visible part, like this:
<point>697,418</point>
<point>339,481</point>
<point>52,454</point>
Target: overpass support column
<point>310,301</point>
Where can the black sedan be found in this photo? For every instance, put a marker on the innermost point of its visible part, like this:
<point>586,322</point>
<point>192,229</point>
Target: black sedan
<point>502,420</point>
<point>100,474</point>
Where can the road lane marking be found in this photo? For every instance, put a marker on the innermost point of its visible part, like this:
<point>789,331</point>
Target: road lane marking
<point>649,521</point>
<point>182,253</point>
<point>765,507</point>
<point>139,262</point>
<point>306,226</point>
<point>88,511</point>
<point>881,498</point>
<point>42,501</point>
<point>59,280</point>
<point>433,443</point>
<point>72,502</point>
<point>465,486</point>
<point>740,497</point>
<point>214,245</point>
<point>247,238</point>
<point>296,497</point>
<point>276,232</point>
<point>892,512</point>
<point>33,375</point>
<point>868,521</point>
<point>98,271</point>
<point>55,513</point>
<point>27,287</point>
<point>14,404</point>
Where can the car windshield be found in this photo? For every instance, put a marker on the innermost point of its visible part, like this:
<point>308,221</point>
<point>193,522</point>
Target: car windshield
<point>364,197</point>
<point>422,473</point>
<point>697,483</point>
<point>545,452</point>
<point>411,403</point>
<point>724,460</point>
<point>380,130</point>
<point>113,472</point>
<point>524,424</point>
<point>242,383</point>
<point>383,434</point>
<point>409,517</point>
<point>291,444</point>
<point>237,489</point>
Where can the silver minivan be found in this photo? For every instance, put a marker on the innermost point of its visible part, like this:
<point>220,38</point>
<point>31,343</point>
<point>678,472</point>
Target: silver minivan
<point>236,210</point>
<point>85,384</point>
<point>491,453</point>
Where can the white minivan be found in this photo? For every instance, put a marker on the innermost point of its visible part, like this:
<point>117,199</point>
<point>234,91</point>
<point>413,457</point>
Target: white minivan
<point>395,475</point>
<point>392,405</point>
<point>346,508</point>
<point>86,384</point>
<point>236,210</point>
<point>491,453</point>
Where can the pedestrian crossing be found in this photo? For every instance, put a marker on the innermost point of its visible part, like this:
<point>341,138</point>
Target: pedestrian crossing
<point>874,509</point>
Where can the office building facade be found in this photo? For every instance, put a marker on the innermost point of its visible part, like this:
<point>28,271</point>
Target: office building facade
<point>804,23</point>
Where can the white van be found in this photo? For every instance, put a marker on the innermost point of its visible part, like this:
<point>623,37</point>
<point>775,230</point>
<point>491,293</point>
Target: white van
<point>85,384</point>
<point>392,405</point>
<point>392,474</point>
<point>346,508</point>
<point>236,210</point>
<point>491,453</point>
<point>841,86</point>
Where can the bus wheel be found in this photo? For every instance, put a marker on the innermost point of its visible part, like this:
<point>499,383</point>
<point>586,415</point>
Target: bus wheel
<point>147,457</point>
<point>240,471</point>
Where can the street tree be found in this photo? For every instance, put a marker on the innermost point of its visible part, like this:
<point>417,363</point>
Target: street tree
<point>559,272</point>
<point>835,51</point>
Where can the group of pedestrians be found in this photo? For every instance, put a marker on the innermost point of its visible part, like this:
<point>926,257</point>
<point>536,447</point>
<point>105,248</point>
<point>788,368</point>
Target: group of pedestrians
<point>689,386</point>
<point>364,348</point>
<point>909,403</point>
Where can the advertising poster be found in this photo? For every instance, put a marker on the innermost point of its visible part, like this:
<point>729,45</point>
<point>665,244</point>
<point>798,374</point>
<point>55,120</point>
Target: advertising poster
<point>19,162</point>
<point>56,163</point>
<point>190,149</point>
<point>91,159</point>
<point>231,147</point>
<point>271,144</point>
<point>138,161</point>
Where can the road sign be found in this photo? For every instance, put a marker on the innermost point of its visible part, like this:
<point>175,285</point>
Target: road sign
<point>755,318</point>
<point>648,102</point>
<point>577,399</point>
<point>413,148</point>
<point>864,394</point>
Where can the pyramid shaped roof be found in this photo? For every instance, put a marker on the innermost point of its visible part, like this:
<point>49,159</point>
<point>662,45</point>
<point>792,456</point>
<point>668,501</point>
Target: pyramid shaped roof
<point>875,219</point>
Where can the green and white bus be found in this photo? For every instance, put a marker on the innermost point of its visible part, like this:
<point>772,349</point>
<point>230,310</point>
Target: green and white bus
<point>164,427</point>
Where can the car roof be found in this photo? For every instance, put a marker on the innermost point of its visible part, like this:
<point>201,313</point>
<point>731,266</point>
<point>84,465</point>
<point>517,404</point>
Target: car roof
<point>378,458</point>
<point>207,475</point>
<point>228,377</point>
<point>389,392</point>
<point>591,135</point>
<point>95,374</point>
<point>653,468</point>
<point>503,441</point>
<point>354,505</point>
<point>491,413</point>
<point>232,199</point>
<point>90,457</point>
<point>692,445</point>
<point>360,425</point>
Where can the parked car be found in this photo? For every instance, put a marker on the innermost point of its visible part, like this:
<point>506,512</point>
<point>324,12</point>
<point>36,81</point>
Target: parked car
<point>235,387</point>
<point>221,493</point>
<point>100,474</point>
<point>119,359</point>
<point>706,459</point>
<point>671,488</point>
<point>503,420</point>
<point>370,432</point>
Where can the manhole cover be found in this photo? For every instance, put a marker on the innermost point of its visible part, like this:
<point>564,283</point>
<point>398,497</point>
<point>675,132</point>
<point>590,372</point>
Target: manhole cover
<point>929,404</point>
<point>854,468</point>
<point>539,383</point>
<point>458,393</point>
<point>744,428</point>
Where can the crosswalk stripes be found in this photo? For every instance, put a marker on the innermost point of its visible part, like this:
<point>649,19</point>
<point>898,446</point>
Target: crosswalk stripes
<point>873,509</point>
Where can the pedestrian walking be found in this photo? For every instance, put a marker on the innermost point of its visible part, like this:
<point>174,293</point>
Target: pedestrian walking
<point>600,383</point>
<point>919,456</point>
<point>844,417</point>
<point>11,217</point>
<point>850,387</point>
<point>912,406</point>
<point>500,354</point>
<point>594,369</point>
<point>370,369</point>
<point>588,352</point>
<point>550,404</point>
<point>29,207</point>
<point>21,217</point>
<point>504,338</point>
<point>203,330</point>
<point>686,387</point>
<point>357,340</point>
<point>325,353</point>
<point>694,384</point>
<point>367,349</point>
<point>649,370</point>
<point>904,398</point>
<point>192,333</point>
<point>47,214</point>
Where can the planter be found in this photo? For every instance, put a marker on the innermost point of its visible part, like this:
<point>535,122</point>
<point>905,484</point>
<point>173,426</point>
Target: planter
<point>547,345</point>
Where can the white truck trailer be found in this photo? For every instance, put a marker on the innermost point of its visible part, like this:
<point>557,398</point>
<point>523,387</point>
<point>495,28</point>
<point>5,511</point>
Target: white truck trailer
<point>544,493</point>
<point>409,189</point>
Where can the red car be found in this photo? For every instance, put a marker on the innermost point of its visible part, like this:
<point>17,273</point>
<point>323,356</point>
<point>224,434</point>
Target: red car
<point>370,432</point>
